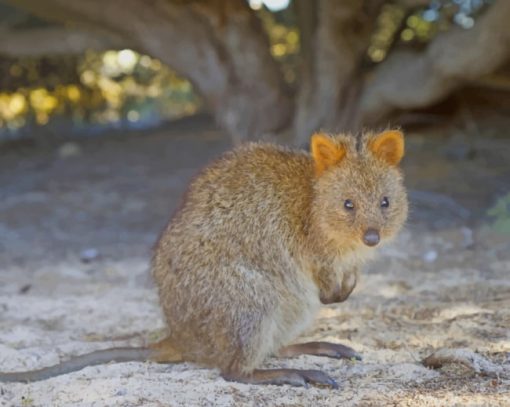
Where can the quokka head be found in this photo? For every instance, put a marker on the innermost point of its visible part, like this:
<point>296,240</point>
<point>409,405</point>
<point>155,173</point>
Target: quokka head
<point>359,196</point>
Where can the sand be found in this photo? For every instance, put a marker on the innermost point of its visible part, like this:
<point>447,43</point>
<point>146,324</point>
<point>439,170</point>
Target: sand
<point>434,287</point>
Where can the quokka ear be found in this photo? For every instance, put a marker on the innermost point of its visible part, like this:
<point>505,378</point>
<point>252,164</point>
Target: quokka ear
<point>388,146</point>
<point>326,152</point>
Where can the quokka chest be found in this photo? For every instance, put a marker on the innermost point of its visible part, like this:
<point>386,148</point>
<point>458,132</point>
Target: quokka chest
<point>297,313</point>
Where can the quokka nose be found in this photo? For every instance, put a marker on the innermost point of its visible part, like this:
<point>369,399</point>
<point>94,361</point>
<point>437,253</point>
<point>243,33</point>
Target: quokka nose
<point>371,237</point>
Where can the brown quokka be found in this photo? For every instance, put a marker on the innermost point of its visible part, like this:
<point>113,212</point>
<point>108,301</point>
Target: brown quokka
<point>264,235</point>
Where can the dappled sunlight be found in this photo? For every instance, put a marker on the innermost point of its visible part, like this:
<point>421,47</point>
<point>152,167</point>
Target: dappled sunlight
<point>112,87</point>
<point>284,45</point>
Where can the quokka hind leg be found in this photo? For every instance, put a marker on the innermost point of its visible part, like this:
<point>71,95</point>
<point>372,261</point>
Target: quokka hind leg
<point>165,352</point>
<point>292,377</point>
<point>332,350</point>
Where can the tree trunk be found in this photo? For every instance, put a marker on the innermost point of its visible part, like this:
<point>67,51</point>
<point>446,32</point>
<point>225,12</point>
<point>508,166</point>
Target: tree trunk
<point>330,84</point>
<point>219,45</point>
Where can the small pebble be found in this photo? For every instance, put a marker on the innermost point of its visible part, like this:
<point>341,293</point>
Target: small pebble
<point>89,255</point>
<point>430,256</point>
<point>121,392</point>
<point>25,288</point>
<point>68,150</point>
<point>467,233</point>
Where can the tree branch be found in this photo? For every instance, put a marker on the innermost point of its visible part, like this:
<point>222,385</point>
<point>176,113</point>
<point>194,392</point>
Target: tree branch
<point>54,40</point>
<point>218,45</point>
<point>410,80</point>
<point>410,4</point>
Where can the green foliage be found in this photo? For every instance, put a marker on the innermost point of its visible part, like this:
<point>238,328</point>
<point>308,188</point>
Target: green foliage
<point>500,213</point>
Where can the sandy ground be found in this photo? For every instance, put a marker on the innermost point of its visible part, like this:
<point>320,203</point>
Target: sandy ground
<point>443,283</point>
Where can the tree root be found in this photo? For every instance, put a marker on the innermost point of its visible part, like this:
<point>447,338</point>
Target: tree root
<point>467,358</point>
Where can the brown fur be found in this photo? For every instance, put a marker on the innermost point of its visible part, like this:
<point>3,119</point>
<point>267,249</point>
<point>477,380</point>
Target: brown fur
<point>263,236</point>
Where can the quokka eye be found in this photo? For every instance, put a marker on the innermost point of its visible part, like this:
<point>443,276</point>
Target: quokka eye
<point>385,202</point>
<point>348,205</point>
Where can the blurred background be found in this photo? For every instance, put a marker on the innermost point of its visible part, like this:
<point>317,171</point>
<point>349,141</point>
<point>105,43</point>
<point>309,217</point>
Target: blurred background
<point>260,68</point>
<point>109,107</point>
